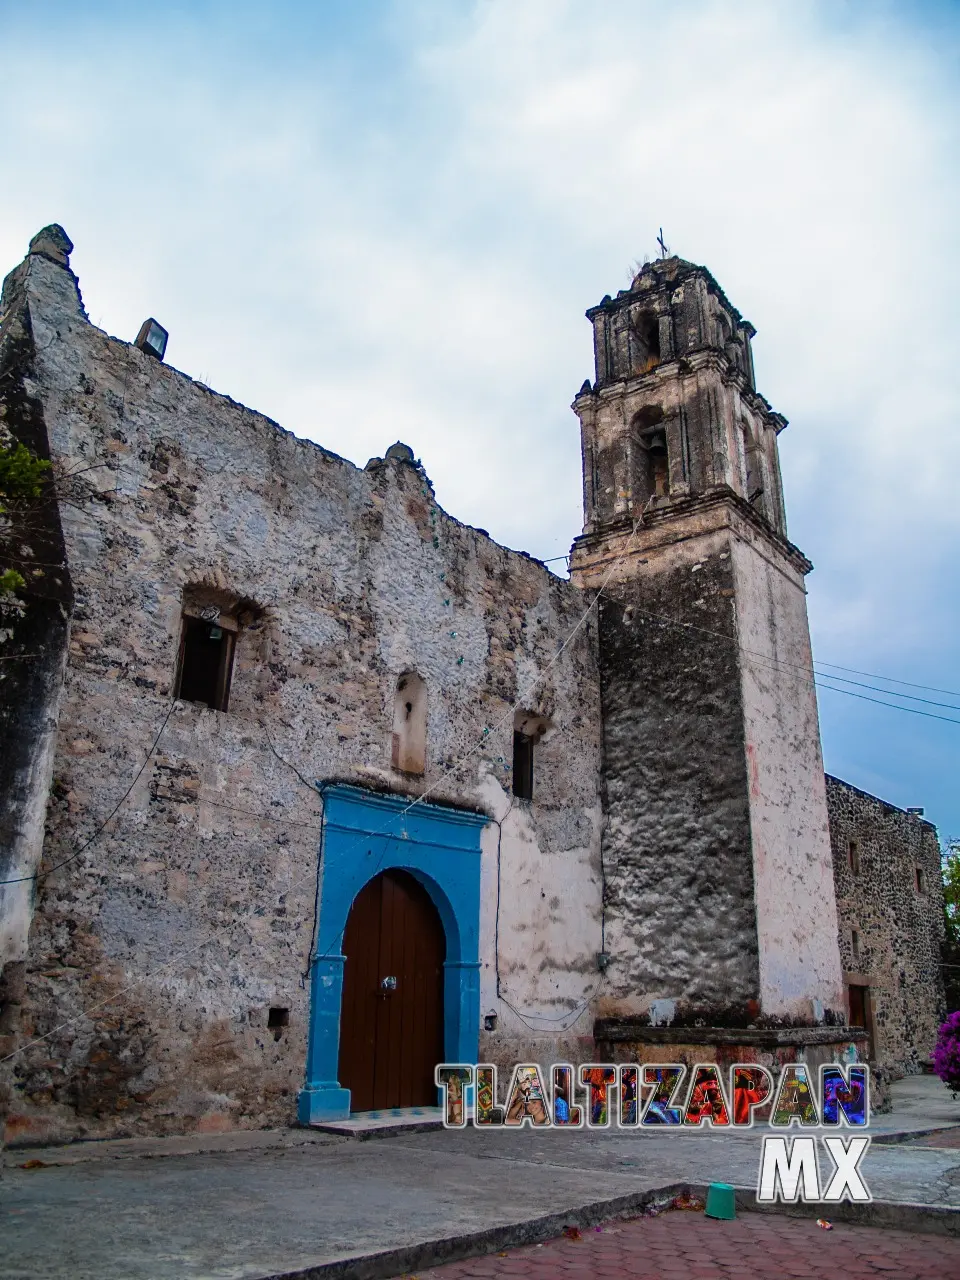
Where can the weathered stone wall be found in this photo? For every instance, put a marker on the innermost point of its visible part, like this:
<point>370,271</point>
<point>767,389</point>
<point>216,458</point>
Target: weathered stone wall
<point>33,647</point>
<point>712,753</point>
<point>33,633</point>
<point>796,919</point>
<point>156,954</point>
<point>681,920</point>
<point>899,929</point>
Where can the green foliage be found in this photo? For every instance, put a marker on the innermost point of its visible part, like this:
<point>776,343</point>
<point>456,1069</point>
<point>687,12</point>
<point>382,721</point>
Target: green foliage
<point>21,474</point>
<point>951,941</point>
<point>21,481</point>
<point>951,880</point>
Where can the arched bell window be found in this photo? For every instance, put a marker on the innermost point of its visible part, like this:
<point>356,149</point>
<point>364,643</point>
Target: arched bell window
<point>645,341</point>
<point>658,468</point>
<point>653,460</point>
<point>753,481</point>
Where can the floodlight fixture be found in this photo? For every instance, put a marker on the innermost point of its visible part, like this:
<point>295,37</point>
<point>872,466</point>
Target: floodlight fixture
<point>152,338</point>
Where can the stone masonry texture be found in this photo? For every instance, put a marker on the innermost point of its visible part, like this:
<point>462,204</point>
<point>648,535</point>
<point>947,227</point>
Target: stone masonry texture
<point>898,924</point>
<point>192,914</point>
<point>178,846</point>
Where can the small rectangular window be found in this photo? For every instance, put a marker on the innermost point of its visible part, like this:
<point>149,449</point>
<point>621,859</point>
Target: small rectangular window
<point>206,661</point>
<point>855,945</point>
<point>918,878</point>
<point>277,1019</point>
<point>522,765</point>
<point>853,857</point>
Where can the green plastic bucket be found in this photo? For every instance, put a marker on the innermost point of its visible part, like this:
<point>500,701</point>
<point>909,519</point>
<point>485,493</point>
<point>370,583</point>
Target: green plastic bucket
<point>721,1201</point>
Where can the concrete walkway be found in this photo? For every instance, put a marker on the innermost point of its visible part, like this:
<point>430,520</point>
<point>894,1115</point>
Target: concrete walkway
<point>307,1204</point>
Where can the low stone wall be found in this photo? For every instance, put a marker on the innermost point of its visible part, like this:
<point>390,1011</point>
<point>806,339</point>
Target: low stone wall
<point>621,1040</point>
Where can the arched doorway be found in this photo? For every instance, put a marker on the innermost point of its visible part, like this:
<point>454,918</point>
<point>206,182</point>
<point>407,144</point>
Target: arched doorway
<point>391,1022</point>
<point>433,845</point>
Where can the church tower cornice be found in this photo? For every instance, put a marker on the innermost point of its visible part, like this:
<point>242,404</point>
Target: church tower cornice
<point>680,368</point>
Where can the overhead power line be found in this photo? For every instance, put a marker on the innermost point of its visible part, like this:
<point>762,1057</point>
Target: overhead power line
<point>950,706</point>
<point>807,674</point>
<point>950,693</point>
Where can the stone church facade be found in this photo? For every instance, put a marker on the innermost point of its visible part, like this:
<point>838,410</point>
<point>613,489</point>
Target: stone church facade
<point>305,785</point>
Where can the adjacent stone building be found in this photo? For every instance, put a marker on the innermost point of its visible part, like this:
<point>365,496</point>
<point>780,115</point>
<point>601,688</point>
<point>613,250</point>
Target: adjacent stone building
<point>886,866</point>
<point>308,785</point>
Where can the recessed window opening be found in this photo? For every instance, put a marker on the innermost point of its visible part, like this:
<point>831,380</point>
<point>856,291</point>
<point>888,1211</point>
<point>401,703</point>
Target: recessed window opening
<point>853,857</point>
<point>212,624</point>
<point>409,744</point>
<point>727,341</point>
<point>652,476</point>
<point>206,662</point>
<point>918,878</point>
<point>522,765</point>
<point>277,1019</point>
<point>855,945</point>
<point>659,469</point>
<point>528,729</point>
<point>752,468</point>
<point>646,341</point>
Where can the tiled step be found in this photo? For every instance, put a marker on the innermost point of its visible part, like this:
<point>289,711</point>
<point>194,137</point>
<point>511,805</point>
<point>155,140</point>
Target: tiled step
<point>378,1124</point>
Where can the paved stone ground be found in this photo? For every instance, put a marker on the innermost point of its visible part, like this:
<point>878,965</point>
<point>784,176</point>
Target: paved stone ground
<point>269,1205</point>
<point>239,1215</point>
<point>688,1246</point>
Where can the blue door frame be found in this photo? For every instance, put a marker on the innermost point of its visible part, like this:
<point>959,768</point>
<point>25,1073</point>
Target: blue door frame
<point>365,833</point>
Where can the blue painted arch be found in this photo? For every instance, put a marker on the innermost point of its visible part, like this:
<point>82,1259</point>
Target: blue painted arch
<point>365,833</point>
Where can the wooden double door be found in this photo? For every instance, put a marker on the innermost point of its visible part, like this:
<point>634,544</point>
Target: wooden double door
<point>391,1021</point>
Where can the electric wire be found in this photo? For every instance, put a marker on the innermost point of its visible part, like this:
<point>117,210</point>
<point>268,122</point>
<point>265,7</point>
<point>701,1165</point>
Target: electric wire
<point>508,714</point>
<point>892,693</point>
<point>807,674</point>
<point>417,800</point>
<point>951,693</point>
<point>38,875</point>
<point>571,1017</point>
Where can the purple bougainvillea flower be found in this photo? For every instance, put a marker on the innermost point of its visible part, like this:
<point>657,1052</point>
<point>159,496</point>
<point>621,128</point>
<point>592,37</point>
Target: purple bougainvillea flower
<point>946,1055</point>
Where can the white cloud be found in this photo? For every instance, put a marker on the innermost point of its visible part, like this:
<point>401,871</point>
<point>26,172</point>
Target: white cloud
<point>370,240</point>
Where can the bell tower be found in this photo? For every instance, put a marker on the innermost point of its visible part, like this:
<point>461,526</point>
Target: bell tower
<point>674,411</point>
<point>720,900</point>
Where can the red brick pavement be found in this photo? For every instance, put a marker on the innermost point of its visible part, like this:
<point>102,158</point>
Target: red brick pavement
<point>689,1246</point>
<point>949,1139</point>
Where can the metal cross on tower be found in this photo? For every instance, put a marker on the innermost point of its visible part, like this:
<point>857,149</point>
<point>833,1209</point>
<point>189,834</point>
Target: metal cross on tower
<point>660,242</point>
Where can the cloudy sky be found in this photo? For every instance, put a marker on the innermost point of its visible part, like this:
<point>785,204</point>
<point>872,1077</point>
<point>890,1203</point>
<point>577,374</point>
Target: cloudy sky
<point>378,221</point>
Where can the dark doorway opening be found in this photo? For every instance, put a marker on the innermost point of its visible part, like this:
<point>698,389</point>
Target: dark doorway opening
<point>859,1000</point>
<point>391,1021</point>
